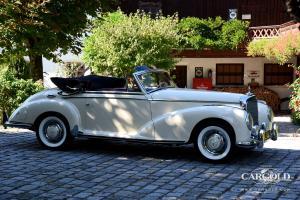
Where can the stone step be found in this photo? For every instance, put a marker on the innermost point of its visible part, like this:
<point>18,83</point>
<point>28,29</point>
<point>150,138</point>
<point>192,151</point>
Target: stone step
<point>289,134</point>
<point>286,127</point>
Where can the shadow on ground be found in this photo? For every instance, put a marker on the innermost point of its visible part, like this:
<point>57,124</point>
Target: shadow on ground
<point>131,150</point>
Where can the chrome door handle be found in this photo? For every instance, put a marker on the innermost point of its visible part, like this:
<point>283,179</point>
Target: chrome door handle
<point>51,96</point>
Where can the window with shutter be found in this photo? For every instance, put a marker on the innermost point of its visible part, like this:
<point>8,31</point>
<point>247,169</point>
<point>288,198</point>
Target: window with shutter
<point>275,74</point>
<point>230,74</point>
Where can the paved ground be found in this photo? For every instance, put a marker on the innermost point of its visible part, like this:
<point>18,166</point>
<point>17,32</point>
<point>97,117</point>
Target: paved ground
<point>286,128</point>
<point>114,170</point>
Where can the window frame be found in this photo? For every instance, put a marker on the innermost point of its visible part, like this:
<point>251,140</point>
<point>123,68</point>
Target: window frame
<point>238,74</point>
<point>278,74</point>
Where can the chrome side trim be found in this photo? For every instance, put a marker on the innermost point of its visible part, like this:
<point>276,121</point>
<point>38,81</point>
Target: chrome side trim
<point>82,135</point>
<point>72,97</point>
<point>113,92</point>
<point>101,92</point>
<point>195,101</point>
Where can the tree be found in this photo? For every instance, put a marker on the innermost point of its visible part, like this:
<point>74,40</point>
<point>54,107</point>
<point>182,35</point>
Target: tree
<point>212,33</point>
<point>120,42</point>
<point>49,28</point>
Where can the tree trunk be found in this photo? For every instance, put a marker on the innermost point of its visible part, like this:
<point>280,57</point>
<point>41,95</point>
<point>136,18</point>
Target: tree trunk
<point>36,67</point>
<point>4,118</point>
<point>36,61</point>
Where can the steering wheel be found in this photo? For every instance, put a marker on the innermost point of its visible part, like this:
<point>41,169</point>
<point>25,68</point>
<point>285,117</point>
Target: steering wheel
<point>163,84</point>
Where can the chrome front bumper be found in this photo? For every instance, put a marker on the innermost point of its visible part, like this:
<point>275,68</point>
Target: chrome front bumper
<point>259,135</point>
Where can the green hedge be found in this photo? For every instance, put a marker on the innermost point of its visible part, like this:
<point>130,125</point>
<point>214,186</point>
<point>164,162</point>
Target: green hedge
<point>296,117</point>
<point>14,91</point>
<point>214,33</point>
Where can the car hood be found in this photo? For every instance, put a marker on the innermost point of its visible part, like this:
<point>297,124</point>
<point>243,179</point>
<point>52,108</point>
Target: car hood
<point>180,94</point>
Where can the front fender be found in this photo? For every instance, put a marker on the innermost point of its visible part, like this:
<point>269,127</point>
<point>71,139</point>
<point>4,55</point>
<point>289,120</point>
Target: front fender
<point>28,112</point>
<point>181,122</point>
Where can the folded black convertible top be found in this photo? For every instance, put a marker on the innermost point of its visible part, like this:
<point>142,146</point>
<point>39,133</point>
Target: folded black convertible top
<point>90,82</point>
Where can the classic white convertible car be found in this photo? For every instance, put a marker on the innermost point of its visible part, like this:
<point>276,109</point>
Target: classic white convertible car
<point>149,108</point>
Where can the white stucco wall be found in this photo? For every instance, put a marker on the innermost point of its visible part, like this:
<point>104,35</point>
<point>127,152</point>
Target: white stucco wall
<point>250,63</point>
<point>56,69</point>
<point>53,68</point>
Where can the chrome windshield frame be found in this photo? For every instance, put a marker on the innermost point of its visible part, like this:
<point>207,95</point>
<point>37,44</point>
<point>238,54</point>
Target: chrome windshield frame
<point>136,74</point>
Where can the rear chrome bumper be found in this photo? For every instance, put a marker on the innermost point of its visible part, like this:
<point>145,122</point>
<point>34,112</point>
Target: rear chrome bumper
<point>259,135</point>
<point>18,125</point>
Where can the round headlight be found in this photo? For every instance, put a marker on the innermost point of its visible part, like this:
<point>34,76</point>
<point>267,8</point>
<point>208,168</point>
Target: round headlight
<point>249,121</point>
<point>243,104</point>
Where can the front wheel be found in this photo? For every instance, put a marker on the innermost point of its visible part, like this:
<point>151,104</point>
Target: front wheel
<point>53,132</point>
<point>214,142</point>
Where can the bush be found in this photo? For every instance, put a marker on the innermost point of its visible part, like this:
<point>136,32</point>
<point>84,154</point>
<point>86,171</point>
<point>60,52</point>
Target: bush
<point>14,91</point>
<point>282,48</point>
<point>296,117</point>
<point>295,97</point>
<point>20,68</point>
<point>212,33</point>
<point>295,100</point>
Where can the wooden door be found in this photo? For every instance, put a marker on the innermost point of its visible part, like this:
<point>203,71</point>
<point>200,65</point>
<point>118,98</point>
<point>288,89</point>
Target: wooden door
<point>180,74</point>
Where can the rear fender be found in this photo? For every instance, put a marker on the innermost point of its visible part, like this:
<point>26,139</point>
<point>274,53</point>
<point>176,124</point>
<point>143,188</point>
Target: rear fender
<point>31,111</point>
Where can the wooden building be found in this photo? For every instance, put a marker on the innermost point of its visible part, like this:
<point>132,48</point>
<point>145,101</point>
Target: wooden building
<point>258,12</point>
<point>268,19</point>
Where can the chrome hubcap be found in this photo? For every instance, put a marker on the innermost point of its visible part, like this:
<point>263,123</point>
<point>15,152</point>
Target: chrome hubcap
<point>214,142</point>
<point>53,132</point>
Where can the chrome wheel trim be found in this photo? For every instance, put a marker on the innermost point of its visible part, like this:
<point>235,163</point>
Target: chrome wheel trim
<point>52,131</point>
<point>214,143</point>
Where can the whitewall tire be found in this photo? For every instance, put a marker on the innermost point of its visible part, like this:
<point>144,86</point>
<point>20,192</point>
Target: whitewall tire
<point>53,132</point>
<point>214,142</point>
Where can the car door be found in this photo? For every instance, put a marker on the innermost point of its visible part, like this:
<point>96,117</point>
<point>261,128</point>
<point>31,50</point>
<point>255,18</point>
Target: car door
<point>118,114</point>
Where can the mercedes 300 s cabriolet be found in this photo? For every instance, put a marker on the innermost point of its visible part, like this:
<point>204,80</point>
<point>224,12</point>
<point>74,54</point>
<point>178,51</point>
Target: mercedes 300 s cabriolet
<point>146,107</point>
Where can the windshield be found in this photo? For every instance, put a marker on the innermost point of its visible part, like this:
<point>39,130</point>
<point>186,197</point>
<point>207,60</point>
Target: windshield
<point>154,80</point>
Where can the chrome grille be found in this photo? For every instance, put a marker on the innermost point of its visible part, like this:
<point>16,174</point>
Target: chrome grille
<point>252,108</point>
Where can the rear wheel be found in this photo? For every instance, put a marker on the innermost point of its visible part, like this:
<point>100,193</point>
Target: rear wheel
<point>214,142</point>
<point>53,132</point>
